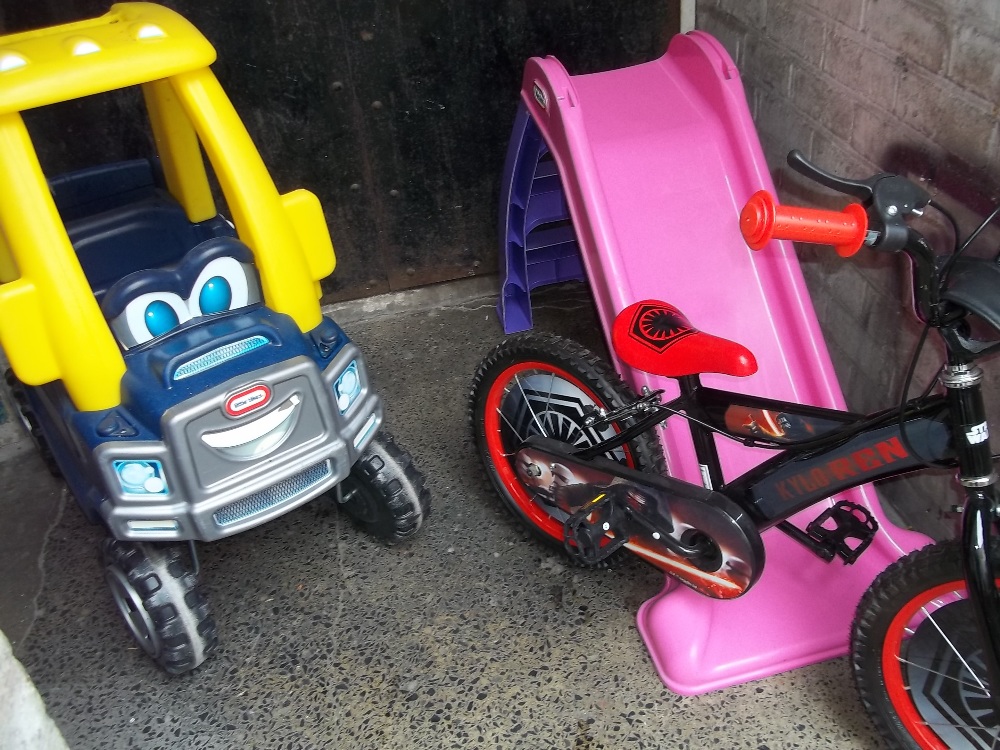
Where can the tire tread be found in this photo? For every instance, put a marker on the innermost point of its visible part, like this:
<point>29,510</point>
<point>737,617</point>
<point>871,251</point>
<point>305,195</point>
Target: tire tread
<point>892,589</point>
<point>143,565</point>
<point>388,471</point>
<point>584,364</point>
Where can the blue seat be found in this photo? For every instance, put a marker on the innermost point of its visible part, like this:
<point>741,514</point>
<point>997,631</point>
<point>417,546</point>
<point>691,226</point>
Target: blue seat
<point>120,222</point>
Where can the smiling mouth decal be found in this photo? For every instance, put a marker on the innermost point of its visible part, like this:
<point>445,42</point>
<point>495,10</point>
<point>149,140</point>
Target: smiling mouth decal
<point>257,437</point>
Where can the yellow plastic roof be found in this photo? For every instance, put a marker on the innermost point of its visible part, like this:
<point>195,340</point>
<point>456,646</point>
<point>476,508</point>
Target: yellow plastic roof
<point>132,43</point>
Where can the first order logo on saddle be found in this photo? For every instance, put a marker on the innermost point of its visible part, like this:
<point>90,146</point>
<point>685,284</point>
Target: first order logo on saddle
<point>700,535</point>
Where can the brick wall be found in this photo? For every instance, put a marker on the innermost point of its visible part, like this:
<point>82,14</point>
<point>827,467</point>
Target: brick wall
<point>861,86</point>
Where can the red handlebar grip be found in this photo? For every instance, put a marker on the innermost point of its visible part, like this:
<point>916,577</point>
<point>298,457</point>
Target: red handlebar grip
<point>762,220</point>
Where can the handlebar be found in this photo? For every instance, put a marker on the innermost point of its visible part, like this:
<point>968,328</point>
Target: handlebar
<point>762,220</point>
<point>879,220</point>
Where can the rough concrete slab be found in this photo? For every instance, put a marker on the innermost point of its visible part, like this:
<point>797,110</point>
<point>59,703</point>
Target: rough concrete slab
<point>31,502</point>
<point>472,635</point>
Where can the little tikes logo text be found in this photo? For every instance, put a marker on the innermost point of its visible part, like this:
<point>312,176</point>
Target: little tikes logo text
<point>247,400</point>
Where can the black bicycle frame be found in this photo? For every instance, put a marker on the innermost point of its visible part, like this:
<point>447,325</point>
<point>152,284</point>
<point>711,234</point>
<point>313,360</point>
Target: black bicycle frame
<point>822,451</point>
<point>826,451</point>
<point>975,459</point>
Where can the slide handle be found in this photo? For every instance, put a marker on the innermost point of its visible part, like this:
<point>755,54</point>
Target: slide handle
<point>763,220</point>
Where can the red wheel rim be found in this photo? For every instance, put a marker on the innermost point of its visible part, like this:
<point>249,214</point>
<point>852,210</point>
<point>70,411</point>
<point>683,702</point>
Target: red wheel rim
<point>892,665</point>
<point>494,443</point>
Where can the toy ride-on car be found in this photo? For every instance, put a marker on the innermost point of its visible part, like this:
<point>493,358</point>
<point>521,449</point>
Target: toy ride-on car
<point>175,368</point>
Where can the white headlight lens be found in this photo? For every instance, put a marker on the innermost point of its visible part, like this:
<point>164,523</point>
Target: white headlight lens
<point>348,387</point>
<point>140,477</point>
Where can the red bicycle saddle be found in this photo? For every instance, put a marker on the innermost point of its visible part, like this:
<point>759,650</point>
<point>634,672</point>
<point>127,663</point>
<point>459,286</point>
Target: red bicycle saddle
<point>656,337</point>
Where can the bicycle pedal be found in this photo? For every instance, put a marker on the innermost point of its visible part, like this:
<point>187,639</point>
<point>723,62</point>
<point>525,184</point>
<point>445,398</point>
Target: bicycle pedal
<point>590,535</point>
<point>853,528</point>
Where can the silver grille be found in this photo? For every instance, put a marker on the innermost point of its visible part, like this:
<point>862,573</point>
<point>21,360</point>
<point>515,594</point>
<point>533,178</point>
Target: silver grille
<point>258,502</point>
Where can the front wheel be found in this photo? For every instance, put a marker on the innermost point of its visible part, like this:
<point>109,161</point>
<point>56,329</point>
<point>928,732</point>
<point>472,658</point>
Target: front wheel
<point>916,656</point>
<point>542,384</point>
<point>161,602</point>
<point>385,493</point>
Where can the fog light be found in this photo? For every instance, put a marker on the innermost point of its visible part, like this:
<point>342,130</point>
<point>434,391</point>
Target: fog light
<point>151,525</point>
<point>365,431</point>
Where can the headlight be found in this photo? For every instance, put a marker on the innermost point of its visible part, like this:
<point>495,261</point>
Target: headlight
<point>141,477</point>
<point>348,387</point>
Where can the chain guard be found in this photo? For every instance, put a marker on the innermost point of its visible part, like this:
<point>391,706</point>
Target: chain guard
<point>696,535</point>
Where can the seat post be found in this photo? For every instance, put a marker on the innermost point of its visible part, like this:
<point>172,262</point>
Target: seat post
<point>704,443</point>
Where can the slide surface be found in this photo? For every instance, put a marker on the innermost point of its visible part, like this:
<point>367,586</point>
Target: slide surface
<point>656,161</point>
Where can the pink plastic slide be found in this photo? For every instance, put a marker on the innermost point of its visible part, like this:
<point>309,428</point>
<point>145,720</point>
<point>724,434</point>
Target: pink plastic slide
<point>656,161</point>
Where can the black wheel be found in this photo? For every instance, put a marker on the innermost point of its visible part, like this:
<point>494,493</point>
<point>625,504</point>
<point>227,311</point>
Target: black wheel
<point>161,602</point>
<point>916,656</point>
<point>385,493</point>
<point>542,384</point>
<point>30,423</point>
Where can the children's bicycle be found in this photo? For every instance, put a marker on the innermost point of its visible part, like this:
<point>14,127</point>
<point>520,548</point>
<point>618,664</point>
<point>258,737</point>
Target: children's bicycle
<point>573,453</point>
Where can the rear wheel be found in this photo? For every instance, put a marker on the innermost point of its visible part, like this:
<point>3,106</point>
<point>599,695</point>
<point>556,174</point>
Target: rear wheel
<point>29,421</point>
<point>385,493</point>
<point>917,659</point>
<point>161,602</point>
<point>542,384</point>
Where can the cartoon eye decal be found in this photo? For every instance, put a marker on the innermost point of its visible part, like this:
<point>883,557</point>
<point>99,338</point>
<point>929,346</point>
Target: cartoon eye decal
<point>149,316</point>
<point>215,296</point>
<point>223,284</point>
<point>160,318</point>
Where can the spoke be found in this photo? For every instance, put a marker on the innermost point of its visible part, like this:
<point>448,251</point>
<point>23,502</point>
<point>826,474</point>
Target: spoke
<point>935,672</point>
<point>516,432</point>
<point>951,645</point>
<point>548,400</point>
<point>975,684</point>
<point>957,725</point>
<point>528,404</point>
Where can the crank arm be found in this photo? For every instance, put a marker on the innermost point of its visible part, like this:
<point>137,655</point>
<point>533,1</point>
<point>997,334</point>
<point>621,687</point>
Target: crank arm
<point>588,544</point>
<point>594,540</point>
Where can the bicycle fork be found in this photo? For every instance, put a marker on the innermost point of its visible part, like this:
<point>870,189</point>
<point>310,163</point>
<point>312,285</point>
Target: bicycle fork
<point>977,477</point>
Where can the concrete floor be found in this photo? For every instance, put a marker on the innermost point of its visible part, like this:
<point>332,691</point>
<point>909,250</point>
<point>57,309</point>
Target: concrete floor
<point>472,635</point>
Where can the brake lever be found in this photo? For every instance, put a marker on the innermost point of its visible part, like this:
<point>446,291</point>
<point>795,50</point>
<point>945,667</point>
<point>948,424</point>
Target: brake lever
<point>863,190</point>
<point>888,198</point>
